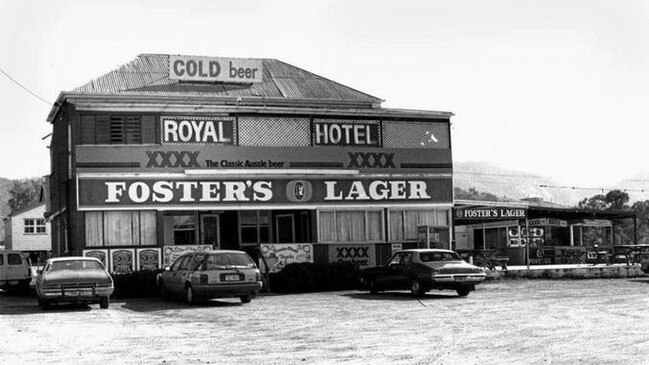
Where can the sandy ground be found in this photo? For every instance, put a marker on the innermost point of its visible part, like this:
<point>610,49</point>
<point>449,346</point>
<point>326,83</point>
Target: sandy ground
<point>513,321</point>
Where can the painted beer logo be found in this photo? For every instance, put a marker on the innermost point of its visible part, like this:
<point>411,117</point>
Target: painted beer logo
<point>299,191</point>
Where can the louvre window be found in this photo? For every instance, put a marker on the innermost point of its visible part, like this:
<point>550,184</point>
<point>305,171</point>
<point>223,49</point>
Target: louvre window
<point>117,129</point>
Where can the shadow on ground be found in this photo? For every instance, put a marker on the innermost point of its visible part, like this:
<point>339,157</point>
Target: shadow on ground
<point>155,304</point>
<point>403,296</point>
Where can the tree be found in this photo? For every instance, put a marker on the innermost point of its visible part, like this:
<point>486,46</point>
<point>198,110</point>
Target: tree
<point>613,200</point>
<point>24,192</point>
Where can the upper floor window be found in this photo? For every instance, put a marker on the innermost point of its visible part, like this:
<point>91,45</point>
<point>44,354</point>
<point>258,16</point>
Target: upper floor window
<point>35,225</point>
<point>117,129</point>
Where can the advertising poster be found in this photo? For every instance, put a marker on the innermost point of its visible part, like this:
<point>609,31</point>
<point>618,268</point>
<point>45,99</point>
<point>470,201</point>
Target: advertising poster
<point>362,255</point>
<point>278,255</point>
<point>171,253</point>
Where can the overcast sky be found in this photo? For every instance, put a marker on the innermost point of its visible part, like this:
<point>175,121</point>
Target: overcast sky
<point>555,88</point>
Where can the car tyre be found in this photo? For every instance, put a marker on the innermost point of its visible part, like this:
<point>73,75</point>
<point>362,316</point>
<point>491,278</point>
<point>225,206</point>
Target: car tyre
<point>416,288</point>
<point>245,298</point>
<point>372,286</point>
<point>44,304</point>
<point>103,302</point>
<point>164,295</point>
<point>463,292</point>
<point>190,295</point>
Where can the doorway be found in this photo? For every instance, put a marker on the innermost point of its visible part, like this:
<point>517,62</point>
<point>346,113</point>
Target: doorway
<point>210,230</point>
<point>285,232</point>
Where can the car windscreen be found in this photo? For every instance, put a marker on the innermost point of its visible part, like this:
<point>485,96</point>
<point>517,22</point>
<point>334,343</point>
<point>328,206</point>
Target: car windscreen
<point>439,256</point>
<point>76,265</point>
<point>222,260</point>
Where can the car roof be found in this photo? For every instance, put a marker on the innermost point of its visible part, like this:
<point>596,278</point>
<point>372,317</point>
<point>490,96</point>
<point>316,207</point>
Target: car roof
<point>420,250</point>
<point>214,251</point>
<point>73,258</point>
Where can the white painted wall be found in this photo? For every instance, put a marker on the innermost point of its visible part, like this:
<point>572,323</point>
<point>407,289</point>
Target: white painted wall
<point>21,241</point>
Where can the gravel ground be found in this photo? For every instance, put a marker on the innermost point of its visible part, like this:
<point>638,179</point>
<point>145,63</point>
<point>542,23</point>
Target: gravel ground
<point>514,321</point>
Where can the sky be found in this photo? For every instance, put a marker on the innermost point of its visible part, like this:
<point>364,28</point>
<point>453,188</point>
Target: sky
<point>553,88</point>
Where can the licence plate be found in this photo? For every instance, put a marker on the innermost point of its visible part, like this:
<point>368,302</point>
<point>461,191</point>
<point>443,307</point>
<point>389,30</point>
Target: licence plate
<point>460,278</point>
<point>232,278</point>
<point>71,293</point>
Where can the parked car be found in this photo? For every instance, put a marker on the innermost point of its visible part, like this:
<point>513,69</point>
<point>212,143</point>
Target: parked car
<point>421,270</point>
<point>214,274</point>
<point>74,280</point>
<point>14,270</point>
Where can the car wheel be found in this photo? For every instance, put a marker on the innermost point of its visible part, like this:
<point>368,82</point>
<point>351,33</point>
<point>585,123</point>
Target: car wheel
<point>372,286</point>
<point>245,298</point>
<point>463,292</point>
<point>103,302</point>
<point>44,304</point>
<point>190,295</point>
<point>416,288</point>
<point>163,291</point>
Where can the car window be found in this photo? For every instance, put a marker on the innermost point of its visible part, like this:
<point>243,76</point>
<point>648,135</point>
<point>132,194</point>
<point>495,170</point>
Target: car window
<point>75,265</point>
<point>439,256</point>
<point>176,263</point>
<point>221,260</point>
<point>2,260</point>
<point>184,264</point>
<point>407,258</point>
<point>197,261</point>
<point>14,259</point>
<point>396,259</point>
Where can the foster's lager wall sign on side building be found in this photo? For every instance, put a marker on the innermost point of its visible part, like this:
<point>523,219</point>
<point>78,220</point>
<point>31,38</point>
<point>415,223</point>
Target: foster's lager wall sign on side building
<point>213,69</point>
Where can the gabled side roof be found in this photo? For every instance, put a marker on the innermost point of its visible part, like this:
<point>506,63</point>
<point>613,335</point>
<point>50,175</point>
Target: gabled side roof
<point>148,74</point>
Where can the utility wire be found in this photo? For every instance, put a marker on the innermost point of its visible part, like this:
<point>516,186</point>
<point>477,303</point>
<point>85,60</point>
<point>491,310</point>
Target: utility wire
<point>25,88</point>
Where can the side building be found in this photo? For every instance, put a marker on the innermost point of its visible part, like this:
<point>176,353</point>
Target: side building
<point>28,231</point>
<point>172,153</point>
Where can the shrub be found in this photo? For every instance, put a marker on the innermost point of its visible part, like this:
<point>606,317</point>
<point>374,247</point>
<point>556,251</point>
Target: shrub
<point>309,277</point>
<point>136,284</point>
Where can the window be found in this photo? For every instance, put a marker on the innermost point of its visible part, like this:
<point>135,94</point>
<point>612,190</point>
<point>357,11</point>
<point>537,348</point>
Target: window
<point>254,226</point>
<point>14,259</point>
<point>404,223</point>
<point>35,226</point>
<point>350,226</point>
<point>184,229</point>
<point>117,129</point>
<point>121,228</point>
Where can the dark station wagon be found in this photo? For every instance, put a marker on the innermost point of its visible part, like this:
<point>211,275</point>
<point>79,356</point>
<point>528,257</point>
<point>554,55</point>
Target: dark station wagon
<point>421,270</point>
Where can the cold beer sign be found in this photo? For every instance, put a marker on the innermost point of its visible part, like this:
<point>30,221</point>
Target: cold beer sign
<point>211,69</point>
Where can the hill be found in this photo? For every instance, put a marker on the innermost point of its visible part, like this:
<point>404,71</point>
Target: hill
<point>510,184</point>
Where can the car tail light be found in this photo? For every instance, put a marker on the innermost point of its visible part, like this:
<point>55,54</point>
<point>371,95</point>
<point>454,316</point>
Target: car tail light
<point>202,278</point>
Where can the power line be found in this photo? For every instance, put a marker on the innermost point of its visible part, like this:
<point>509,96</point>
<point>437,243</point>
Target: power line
<point>598,189</point>
<point>25,88</point>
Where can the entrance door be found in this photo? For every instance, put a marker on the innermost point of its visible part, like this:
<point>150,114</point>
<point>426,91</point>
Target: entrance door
<point>285,228</point>
<point>210,230</point>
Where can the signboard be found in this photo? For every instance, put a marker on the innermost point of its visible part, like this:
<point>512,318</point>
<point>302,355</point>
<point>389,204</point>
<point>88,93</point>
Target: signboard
<point>490,213</point>
<point>363,255</point>
<point>122,261</point>
<point>213,69</point>
<point>148,259</point>
<point>278,255</point>
<point>197,130</point>
<point>172,253</point>
<point>552,222</point>
<point>146,192</point>
<point>346,133</point>
<point>174,156</point>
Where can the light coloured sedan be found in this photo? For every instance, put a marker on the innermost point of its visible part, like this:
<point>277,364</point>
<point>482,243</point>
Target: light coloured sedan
<point>74,280</point>
<point>214,274</point>
<point>421,270</point>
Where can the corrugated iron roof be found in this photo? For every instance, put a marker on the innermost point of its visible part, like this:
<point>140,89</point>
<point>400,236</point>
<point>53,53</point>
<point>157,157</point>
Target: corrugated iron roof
<point>148,74</point>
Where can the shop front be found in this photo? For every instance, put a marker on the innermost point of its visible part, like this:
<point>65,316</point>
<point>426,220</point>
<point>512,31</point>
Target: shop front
<point>212,166</point>
<point>539,235</point>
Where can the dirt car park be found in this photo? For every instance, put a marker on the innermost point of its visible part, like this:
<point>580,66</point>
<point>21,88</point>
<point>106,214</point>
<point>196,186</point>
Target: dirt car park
<point>603,321</point>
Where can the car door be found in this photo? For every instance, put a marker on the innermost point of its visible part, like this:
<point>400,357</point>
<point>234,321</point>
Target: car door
<point>16,266</point>
<point>173,278</point>
<point>3,271</point>
<point>392,277</point>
